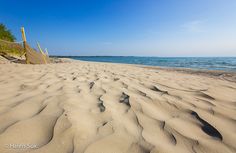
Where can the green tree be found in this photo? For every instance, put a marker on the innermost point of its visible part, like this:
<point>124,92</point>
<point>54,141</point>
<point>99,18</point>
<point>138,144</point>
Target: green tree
<point>6,34</point>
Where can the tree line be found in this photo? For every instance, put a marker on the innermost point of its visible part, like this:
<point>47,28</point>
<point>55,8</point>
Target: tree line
<point>6,34</point>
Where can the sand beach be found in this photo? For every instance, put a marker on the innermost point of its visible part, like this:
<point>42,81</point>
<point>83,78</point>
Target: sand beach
<point>89,107</point>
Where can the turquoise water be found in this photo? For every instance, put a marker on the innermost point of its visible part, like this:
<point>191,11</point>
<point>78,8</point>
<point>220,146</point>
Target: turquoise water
<point>208,63</point>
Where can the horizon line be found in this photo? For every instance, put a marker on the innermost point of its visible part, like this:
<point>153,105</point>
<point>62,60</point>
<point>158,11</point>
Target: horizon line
<point>137,56</point>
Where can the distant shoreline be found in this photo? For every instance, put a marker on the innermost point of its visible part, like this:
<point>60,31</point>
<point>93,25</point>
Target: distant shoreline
<point>61,56</point>
<point>217,74</point>
<point>227,64</point>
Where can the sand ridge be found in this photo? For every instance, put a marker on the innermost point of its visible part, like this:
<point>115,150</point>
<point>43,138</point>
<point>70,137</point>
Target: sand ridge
<point>94,107</point>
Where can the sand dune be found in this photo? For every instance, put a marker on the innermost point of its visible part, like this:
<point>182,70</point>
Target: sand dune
<point>90,107</point>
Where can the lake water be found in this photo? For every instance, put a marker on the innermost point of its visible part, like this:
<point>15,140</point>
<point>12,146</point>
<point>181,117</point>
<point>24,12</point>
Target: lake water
<point>208,63</point>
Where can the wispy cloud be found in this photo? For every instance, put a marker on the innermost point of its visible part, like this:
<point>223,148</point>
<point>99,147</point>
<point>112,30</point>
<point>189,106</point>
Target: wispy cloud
<point>194,26</point>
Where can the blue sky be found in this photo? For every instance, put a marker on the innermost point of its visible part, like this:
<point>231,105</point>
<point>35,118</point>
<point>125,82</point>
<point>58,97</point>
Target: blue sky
<point>126,27</point>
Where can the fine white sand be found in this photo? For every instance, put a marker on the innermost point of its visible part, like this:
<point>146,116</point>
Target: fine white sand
<point>85,107</point>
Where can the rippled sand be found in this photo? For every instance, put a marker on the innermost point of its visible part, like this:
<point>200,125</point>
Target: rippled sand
<point>113,108</point>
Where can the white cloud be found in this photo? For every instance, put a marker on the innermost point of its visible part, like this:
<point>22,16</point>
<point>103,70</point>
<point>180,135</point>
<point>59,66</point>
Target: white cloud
<point>194,26</point>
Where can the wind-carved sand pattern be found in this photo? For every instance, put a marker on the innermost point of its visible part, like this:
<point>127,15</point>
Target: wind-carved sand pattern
<point>83,107</point>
